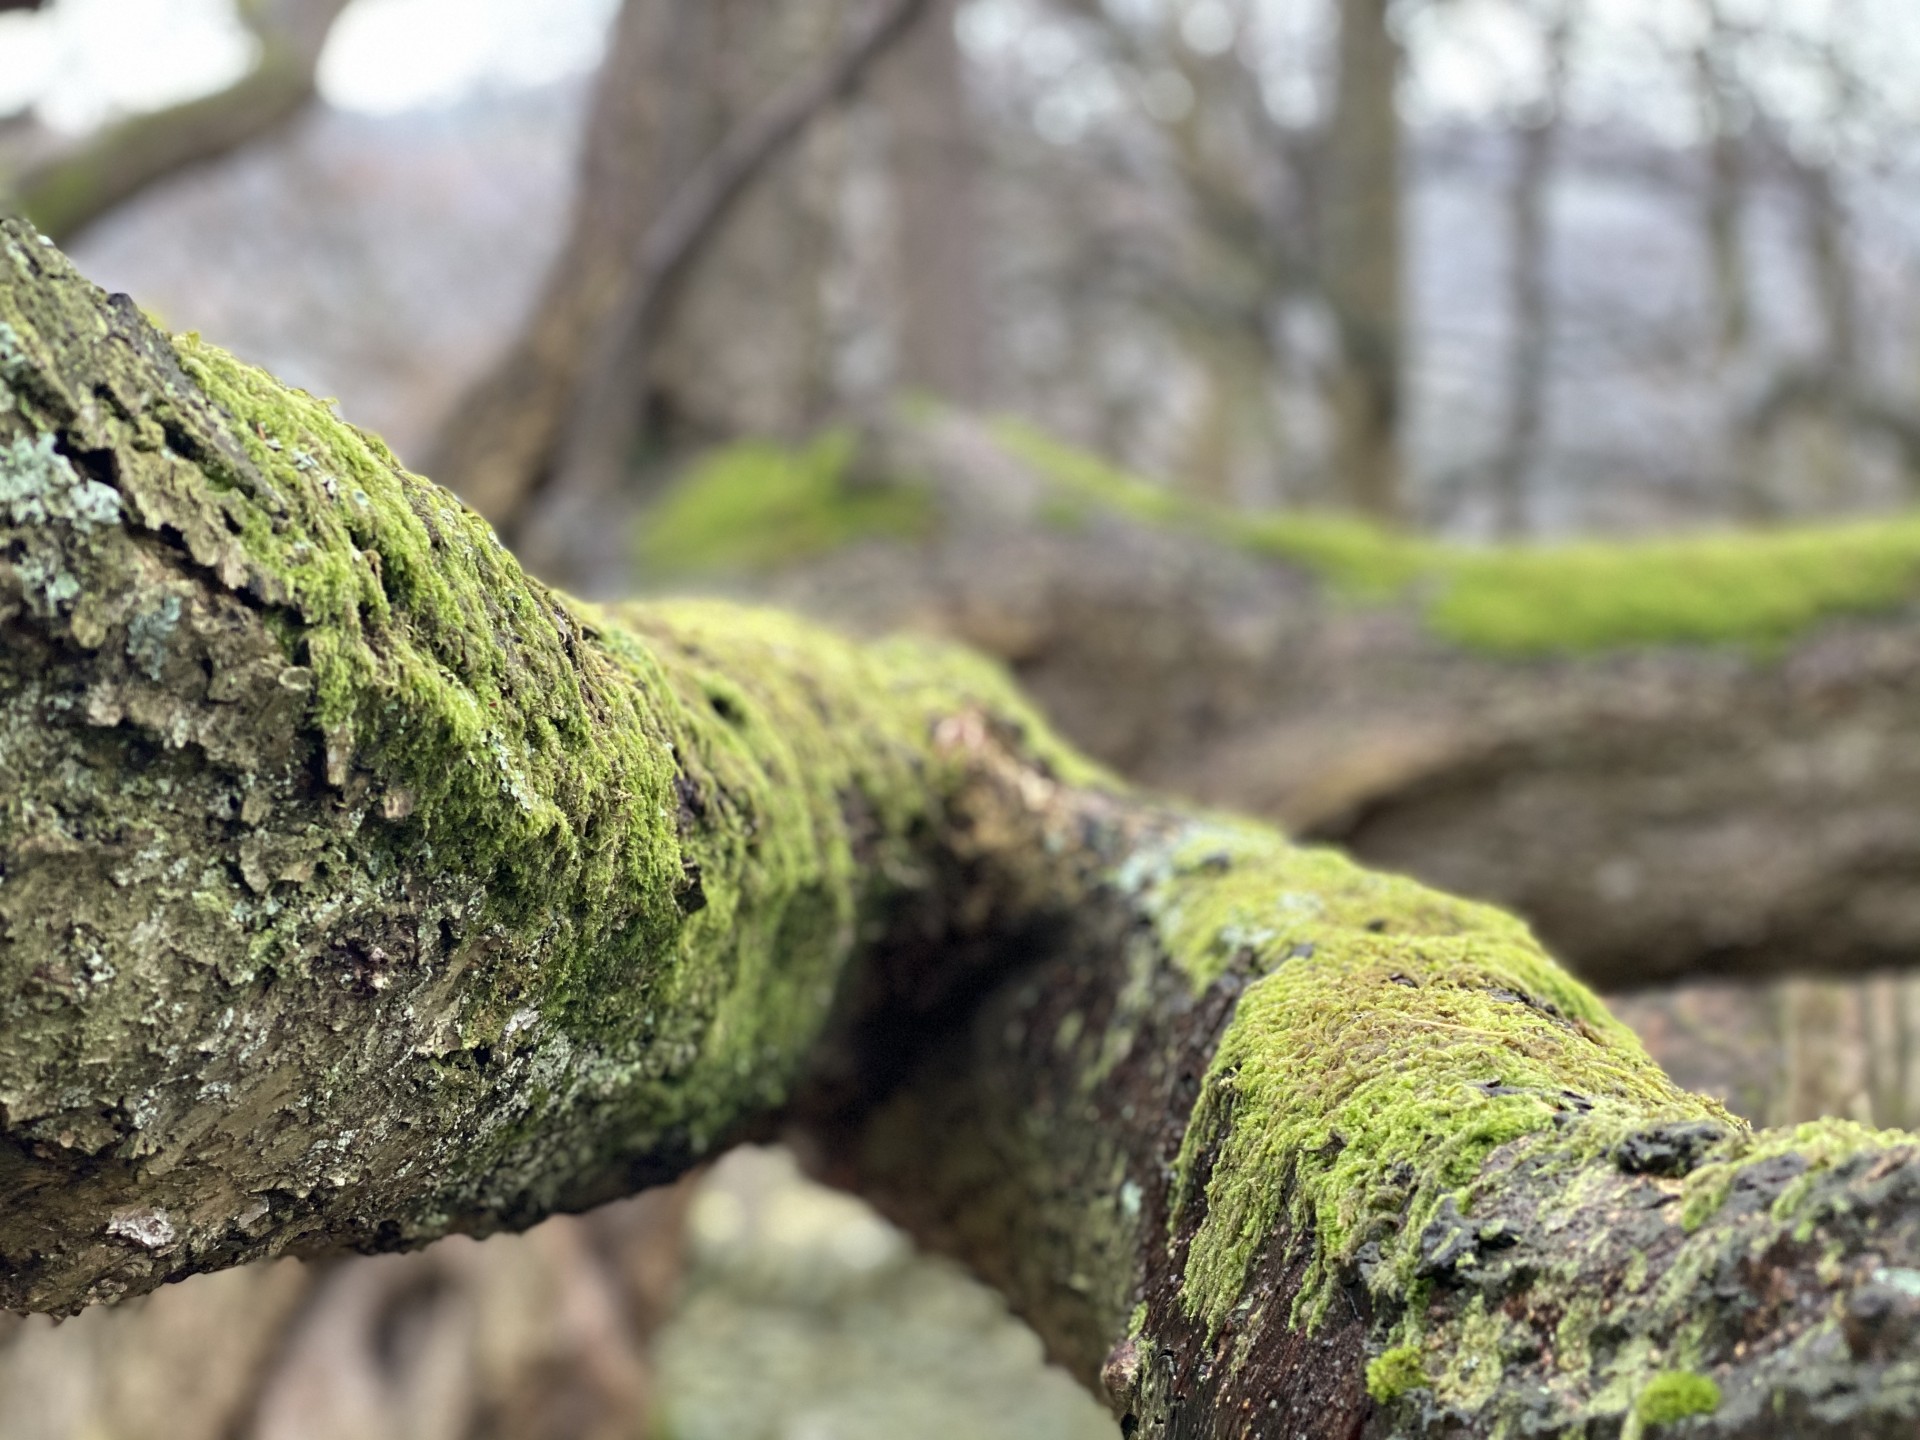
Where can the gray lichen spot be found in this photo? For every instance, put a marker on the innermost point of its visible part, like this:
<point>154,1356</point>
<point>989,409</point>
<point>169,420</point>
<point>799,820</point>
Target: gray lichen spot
<point>42,495</point>
<point>12,358</point>
<point>148,632</point>
<point>149,1229</point>
<point>38,485</point>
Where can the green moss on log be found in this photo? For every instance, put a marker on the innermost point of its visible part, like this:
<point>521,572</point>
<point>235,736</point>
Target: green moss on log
<point>577,885</point>
<point>758,505</point>
<point>1674,1395</point>
<point>1390,1038</point>
<point>1758,588</point>
<point>1394,1372</point>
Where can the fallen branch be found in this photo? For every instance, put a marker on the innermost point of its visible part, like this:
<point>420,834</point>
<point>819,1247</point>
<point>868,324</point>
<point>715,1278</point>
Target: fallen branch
<point>356,889</point>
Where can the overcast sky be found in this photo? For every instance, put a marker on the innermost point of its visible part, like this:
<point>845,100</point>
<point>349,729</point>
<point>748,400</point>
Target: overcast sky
<point>85,60</point>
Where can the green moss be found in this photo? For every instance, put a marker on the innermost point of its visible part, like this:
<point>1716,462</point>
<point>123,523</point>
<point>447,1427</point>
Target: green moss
<point>756,505</point>
<point>1393,1374</point>
<point>1391,1038</point>
<point>436,661</point>
<point>1757,588</point>
<point>550,751</point>
<point>1675,1395</point>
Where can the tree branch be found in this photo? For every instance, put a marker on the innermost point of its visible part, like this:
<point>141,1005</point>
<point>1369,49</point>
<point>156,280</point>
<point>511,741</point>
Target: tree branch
<point>355,888</point>
<point>1710,729</point>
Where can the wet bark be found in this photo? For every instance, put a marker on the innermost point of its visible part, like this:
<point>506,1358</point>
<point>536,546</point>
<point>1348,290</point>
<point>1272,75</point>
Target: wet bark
<point>74,187</point>
<point>358,889</point>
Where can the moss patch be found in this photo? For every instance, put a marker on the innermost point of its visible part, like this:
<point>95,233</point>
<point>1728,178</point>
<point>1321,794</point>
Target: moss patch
<point>757,505</point>
<point>1821,1143</point>
<point>1758,588</point>
<point>1675,1395</point>
<point>1393,1374</point>
<point>1390,1039</point>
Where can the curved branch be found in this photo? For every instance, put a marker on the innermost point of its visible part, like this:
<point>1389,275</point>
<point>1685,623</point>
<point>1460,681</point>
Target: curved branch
<point>355,888</point>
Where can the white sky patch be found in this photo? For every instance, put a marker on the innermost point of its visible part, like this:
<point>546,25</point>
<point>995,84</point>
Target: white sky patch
<point>388,55</point>
<point>80,63</point>
<point>85,61</point>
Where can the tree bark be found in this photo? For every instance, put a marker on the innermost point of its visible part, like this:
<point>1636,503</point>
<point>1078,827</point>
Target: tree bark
<point>680,124</point>
<point>71,189</point>
<point>1671,758</point>
<point>934,165</point>
<point>1360,262</point>
<point>359,889</point>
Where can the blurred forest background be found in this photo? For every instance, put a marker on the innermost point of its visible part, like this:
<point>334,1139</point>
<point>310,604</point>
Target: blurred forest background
<point>1485,270</point>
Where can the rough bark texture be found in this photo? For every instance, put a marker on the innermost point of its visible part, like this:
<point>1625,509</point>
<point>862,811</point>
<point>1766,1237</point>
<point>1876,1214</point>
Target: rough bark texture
<point>1682,756</point>
<point>73,188</point>
<point>358,889</point>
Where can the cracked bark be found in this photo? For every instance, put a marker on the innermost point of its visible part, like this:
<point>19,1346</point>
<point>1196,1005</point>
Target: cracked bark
<point>358,889</point>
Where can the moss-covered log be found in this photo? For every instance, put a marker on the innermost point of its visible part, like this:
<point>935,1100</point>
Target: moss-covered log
<point>355,888</point>
<point>1671,757</point>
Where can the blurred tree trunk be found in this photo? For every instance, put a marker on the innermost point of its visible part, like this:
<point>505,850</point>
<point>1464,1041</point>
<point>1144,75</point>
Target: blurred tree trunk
<point>564,897</point>
<point>1724,195</point>
<point>934,162</point>
<point>680,320</point>
<point>1829,262</point>
<point>1361,262</point>
<point>70,189</point>
<point>1530,279</point>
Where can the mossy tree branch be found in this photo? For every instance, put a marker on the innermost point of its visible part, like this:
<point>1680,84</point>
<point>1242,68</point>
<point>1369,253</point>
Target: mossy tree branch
<point>73,187</point>
<point>1672,757</point>
<point>355,888</point>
